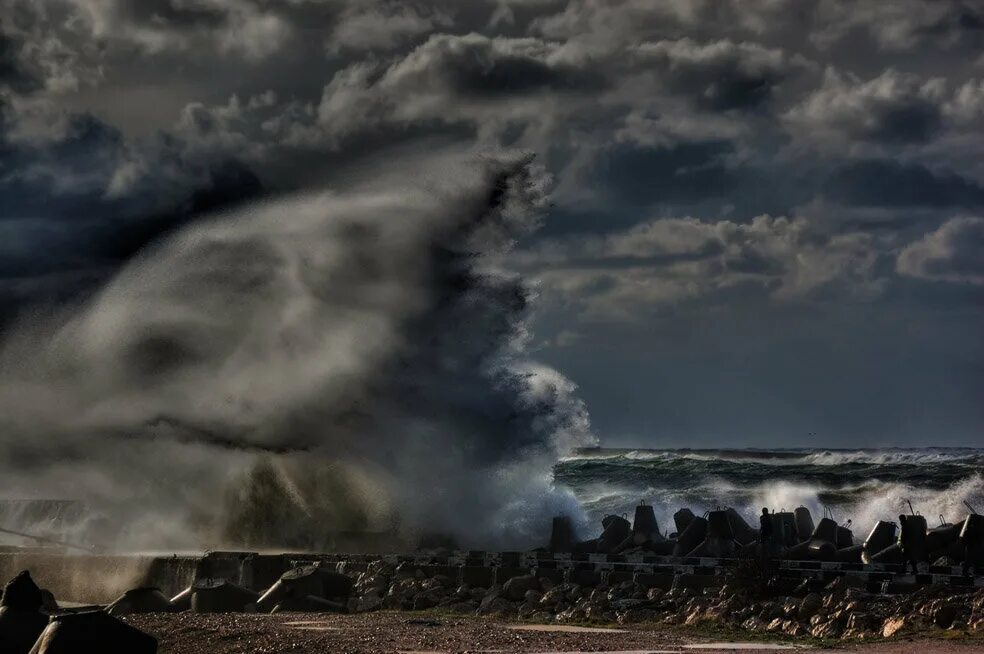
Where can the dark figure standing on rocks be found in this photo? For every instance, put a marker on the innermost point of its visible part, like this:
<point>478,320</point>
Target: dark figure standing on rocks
<point>908,554</point>
<point>766,533</point>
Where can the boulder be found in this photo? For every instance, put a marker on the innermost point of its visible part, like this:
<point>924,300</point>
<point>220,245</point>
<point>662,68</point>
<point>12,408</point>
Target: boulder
<point>903,624</point>
<point>828,629</point>
<point>498,606</point>
<point>810,606</point>
<point>427,599</point>
<point>515,588</point>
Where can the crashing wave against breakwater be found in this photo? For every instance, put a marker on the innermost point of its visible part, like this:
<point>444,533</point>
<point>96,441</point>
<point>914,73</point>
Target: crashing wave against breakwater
<point>343,360</point>
<point>864,484</point>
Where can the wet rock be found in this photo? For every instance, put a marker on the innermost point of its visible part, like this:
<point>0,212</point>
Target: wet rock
<point>903,624</point>
<point>527,609</point>
<point>623,590</point>
<point>598,610</point>
<point>754,624</point>
<point>828,629</point>
<point>840,586</point>
<point>369,602</point>
<point>627,604</point>
<point>655,594</point>
<point>515,589</point>
<point>498,606</point>
<point>572,614</point>
<point>554,597</point>
<point>634,615</point>
<point>426,599</point>
<point>92,631</point>
<point>943,614</point>
<point>809,606</point>
<point>770,610</point>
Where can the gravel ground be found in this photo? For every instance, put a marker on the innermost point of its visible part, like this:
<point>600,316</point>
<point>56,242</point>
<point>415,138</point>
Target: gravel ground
<point>304,633</point>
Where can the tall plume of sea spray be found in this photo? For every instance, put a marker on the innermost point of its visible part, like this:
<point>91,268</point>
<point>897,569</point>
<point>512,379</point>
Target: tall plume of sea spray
<point>324,361</point>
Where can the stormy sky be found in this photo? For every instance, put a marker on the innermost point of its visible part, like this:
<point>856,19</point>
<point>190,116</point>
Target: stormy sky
<point>768,215</point>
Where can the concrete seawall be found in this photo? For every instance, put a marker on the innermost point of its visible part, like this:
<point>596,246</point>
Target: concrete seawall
<point>99,579</point>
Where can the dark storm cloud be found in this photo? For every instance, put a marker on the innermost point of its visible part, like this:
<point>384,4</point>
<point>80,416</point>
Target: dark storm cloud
<point>719,75</point>
<point>706,155</point>
<point>14,74</point>
<point>172,13</point>
<point>890,183</point>
<point>903,25</point>
<point>476,68</point>
<point>683,173</point>
<point>76,203</point>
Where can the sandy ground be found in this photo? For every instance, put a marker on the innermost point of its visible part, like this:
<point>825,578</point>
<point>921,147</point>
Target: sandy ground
<point>308,633</point>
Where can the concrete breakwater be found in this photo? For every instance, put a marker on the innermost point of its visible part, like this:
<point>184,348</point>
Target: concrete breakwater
<point>99,579</point>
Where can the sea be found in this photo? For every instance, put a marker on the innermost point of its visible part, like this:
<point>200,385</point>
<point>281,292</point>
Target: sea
<point>860,485</point>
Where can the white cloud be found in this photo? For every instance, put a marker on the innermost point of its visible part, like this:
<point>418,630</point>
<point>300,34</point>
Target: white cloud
<point>663,262</point>
<point>384,27</point>
<point>846,111</point>
<point>234,27</point>
<point>952,253</point>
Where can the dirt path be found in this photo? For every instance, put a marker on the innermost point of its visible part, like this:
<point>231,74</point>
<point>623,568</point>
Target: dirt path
<point>367,633</point>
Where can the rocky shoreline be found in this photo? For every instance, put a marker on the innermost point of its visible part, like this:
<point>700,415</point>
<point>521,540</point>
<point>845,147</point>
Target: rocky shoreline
<point>841,610</point>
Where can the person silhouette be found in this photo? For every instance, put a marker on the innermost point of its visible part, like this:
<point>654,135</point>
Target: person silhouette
<point>906,546</point>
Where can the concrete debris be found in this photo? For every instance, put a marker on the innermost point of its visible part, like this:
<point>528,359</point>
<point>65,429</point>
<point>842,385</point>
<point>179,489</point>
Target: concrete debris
<point>725,533</point>
<point>140,600</point>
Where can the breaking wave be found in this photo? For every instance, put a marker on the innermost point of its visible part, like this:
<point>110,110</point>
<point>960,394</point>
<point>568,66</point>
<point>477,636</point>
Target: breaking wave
<point>312,365</point>
<point>862,485</point>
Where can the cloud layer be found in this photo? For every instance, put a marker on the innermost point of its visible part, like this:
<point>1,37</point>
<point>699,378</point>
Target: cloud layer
<point>810,163</point>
